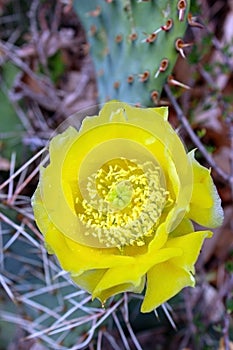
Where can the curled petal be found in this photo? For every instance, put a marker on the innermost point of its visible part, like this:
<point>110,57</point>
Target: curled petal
<point>205,205</point>
<point>168,278</point>
<point>103,295</point>
<point>163,282</point>
<point>190,244</point>
<point>89,279</point>
<point>132,273</point>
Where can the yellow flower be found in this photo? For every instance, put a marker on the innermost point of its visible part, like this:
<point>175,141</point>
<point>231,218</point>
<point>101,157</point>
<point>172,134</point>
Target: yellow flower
<point>115,204</point>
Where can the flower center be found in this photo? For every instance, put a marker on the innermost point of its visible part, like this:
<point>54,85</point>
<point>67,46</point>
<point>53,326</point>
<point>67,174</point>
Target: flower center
<point>124,203</point>
<point>120,195</point>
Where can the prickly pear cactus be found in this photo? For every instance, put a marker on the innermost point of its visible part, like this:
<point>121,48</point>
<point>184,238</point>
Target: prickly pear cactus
<point>134,45</point>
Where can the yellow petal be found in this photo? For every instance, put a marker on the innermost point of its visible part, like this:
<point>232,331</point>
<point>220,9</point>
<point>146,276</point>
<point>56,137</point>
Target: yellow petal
<point>159,239</point>
<point>125,287</point>
<point>190,244</point>
<point>183,228</point>
<point>134,113</point>
<point>75,157</point>
<point>72,256</point>
<point>77,258</point>
<point>89,279</point>
<point>60,144</point>
<point>40,214</point>
<point>205,206</point>
<point>132,273</point>
<point>164,144</point>
<point>163,282</point>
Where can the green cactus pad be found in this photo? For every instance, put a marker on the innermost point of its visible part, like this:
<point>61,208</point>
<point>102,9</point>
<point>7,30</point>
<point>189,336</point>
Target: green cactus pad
<point>133,45</point>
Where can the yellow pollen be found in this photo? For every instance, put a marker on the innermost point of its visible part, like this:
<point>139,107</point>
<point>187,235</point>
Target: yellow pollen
<point>125,202</point>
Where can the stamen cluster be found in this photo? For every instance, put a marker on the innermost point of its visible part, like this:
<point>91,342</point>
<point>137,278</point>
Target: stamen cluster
<point>125,202</point>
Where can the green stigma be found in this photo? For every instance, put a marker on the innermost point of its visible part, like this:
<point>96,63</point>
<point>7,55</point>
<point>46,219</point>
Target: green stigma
<point>120,196</point>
